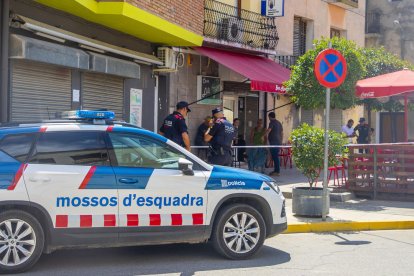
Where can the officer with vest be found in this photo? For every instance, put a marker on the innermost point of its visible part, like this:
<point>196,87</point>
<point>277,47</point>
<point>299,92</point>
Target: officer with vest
<point>220,136</point>
<point>175,128</point>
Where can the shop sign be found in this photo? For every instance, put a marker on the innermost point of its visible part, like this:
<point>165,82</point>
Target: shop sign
<point>207,86</point>
<point>135,107</point>
<point>273,8</point>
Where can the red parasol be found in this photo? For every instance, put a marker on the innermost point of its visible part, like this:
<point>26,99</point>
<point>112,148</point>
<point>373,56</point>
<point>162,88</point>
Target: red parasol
<point>387,85</point>
<point>400,83</point>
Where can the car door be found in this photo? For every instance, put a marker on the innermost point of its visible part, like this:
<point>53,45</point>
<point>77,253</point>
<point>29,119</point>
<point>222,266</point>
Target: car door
<point>69,176</point>
<point>158,202</point>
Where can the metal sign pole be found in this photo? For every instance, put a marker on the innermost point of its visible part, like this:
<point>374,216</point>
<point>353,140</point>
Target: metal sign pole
<point>325,159</point>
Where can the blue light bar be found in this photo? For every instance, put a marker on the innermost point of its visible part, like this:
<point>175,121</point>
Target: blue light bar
<point>88,114</point>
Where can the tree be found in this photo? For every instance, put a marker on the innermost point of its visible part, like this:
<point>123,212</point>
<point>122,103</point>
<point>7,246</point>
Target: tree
<point>306,90</point>
<point>308,143</point>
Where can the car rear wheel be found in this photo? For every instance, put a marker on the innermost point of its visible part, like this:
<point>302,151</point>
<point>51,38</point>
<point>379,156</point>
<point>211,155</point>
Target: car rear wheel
<point>21,241</point>
<point>239,231</point>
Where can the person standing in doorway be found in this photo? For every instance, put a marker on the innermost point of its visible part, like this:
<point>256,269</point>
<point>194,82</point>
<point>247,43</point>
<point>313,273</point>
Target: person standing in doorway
<point>348,131</point>
<point>199,140</point>
<point>275,137</point>
<point>174,126</point>
<point>257,156</point>
<point>220,137</point>
<point>362,131</point>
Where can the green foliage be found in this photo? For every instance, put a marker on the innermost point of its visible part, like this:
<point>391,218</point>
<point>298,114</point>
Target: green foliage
<point>308,148</point>
<point>361,63</point>
<point>306,90</point>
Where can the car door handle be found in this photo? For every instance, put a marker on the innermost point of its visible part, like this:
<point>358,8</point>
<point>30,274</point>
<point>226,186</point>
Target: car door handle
<point>128,180</point>
<point>39,179</point>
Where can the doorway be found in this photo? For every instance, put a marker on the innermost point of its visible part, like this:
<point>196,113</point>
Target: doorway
<point>392,123</point>
<point>248,114</point>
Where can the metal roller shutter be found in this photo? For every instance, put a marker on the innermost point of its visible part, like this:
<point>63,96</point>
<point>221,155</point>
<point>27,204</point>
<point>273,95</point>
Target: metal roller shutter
<point>306,116</point>
<point>335,119</point>
<point>39,91</point>
<point>103,91</point>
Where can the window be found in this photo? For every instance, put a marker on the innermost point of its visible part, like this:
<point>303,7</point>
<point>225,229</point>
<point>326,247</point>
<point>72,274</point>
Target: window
<point>71,148</point>
<point>139,151</point>
<point>17,146</point>
<point>299,36</point>
<point>335,33</point>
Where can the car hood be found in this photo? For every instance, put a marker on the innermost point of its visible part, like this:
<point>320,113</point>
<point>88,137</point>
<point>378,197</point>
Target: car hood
<point>232,178</point>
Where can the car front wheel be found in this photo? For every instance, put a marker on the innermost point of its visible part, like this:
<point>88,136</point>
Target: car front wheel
<point>21,241</point>
<point>239,231</point>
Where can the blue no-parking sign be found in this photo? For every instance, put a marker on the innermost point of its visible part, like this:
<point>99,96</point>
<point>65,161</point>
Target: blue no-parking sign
<point>330,68</point>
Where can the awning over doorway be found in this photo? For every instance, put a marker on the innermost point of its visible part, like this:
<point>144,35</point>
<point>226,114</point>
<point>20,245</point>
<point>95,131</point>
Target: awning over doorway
<point>264,74</point>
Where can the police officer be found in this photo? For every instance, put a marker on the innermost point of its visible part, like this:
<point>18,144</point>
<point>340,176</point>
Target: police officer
<point>175,128</point>
<point>220,136</point>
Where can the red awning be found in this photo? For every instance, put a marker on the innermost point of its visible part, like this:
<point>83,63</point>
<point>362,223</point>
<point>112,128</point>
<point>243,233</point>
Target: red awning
<point>264,74</point>
<point>386,85</point>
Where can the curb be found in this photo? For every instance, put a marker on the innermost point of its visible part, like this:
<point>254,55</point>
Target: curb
<point>319,227</point>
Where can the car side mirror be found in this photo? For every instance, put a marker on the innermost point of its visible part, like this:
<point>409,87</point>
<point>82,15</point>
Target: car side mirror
<point>185,166</point>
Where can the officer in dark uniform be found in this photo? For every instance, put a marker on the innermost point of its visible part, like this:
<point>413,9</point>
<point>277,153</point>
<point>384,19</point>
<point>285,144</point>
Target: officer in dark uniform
<point>220,136</point>
<point>175,128</point>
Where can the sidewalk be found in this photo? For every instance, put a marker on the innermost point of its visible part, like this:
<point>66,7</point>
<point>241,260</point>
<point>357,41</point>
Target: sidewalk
<point>353,215</point>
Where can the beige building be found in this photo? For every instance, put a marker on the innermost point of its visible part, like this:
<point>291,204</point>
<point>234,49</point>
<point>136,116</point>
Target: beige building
<point>390,23</point>
<point>304,21</point>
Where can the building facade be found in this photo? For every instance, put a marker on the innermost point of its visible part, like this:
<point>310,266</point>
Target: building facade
<point>390,23</point>
<point>234,32</point>
<point>63,55</point>
<point>303,22</point>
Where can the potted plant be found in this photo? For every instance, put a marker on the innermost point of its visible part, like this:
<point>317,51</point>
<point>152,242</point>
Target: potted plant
<point>308,154</point>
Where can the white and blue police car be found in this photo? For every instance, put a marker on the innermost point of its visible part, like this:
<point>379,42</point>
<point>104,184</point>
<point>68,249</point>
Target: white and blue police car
<point>89,181</point>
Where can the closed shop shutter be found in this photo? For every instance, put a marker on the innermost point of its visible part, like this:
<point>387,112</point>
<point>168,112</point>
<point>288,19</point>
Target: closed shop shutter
<point>103,91</point>
<point>306,116</point>
<point>335,119</point>
<point>39,91</point>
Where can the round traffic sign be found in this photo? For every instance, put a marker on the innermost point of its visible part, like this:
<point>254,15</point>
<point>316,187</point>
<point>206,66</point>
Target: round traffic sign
<point>330,68</point>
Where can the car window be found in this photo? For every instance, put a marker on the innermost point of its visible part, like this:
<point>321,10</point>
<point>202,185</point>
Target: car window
<point>71,148</point>
<point>17,146</point>
<point>139,151</point>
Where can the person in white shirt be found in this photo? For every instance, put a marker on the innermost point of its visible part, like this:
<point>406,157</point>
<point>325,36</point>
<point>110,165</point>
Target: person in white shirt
<point>348,130</point>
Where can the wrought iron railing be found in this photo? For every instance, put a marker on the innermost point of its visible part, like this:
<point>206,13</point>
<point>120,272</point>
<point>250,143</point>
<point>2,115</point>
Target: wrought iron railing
<point>287,61</point>
<point>373,21</point>
<point>225,22</point>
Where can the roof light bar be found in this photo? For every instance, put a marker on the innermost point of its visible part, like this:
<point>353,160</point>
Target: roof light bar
<point>88,114</point>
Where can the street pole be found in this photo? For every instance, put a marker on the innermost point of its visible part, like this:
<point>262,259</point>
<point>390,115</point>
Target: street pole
<point>325,158</point>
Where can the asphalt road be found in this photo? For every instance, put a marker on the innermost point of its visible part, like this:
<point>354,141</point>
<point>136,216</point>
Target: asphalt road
<point>361,253</point>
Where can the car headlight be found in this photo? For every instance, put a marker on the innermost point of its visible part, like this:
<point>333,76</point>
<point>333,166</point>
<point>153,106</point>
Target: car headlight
<point>272,185</point>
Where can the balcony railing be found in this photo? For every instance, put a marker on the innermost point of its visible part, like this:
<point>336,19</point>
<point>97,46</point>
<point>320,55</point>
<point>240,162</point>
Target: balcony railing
<point>373,21</point>
<point>224,22</point>
<point>287,61</point>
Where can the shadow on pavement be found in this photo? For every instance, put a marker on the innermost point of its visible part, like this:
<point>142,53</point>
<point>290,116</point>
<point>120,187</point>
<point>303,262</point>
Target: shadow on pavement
<point>182,258</point>
<point>345,241</point>
<point>372,205</point>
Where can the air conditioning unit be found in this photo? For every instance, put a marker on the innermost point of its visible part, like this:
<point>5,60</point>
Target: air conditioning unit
<point>231,29</point>
<point>168,57</point>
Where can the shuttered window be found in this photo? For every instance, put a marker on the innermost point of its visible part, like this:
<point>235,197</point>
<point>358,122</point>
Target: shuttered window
<point>335,119</point>
<point>100,91</point>
<point>299,36</point>
<point>39,91</point>
<point>306,116</point>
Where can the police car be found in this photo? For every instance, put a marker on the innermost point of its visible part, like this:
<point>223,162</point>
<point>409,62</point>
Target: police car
<point>89,181</point>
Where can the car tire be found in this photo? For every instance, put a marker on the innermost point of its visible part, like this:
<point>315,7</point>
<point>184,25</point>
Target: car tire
<point>21,241</point>
<point>238,232</point>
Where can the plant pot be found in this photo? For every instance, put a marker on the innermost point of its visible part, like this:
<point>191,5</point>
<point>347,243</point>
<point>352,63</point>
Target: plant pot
<point>308,202</point>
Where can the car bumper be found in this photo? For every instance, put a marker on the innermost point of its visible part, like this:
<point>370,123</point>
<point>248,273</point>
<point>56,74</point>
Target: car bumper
<point>276,229</point>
